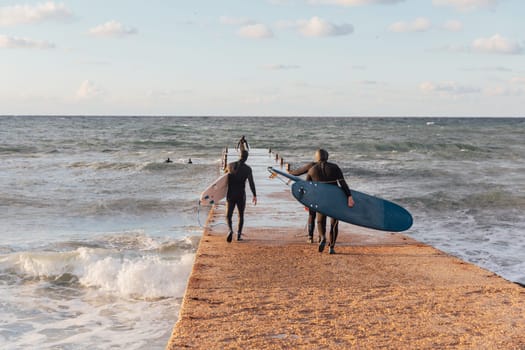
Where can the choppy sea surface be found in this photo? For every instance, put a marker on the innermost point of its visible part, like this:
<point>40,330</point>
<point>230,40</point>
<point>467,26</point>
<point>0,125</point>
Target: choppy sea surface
<point>98,234</point>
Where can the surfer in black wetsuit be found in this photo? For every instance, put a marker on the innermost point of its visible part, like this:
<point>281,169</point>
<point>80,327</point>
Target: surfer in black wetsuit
<point>238,172</point>
<point>323,171</point>
<point>242,145</point>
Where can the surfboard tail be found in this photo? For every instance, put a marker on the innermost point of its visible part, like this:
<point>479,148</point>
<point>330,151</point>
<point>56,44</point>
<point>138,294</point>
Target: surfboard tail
<point>368,211</point>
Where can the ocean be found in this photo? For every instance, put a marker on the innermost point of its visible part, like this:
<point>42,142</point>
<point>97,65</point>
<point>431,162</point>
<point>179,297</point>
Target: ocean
<point>98,233</point>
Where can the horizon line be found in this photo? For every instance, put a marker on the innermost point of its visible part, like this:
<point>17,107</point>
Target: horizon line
<point>247,116</point>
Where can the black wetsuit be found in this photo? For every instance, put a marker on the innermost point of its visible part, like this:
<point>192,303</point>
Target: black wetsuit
<point>236,196</point>
<point>330,173</point>
<point>242,145</point>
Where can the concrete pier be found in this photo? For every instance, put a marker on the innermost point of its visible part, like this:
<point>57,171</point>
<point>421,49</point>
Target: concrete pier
<point>381,290</point>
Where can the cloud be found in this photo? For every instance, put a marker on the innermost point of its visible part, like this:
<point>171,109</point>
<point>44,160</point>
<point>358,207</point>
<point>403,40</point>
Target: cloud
<point>255,31</point>
<point>503,91</point>
<point>356,2</point>
<point>518,80</point>
<point>448,88</point>
<point>453,26</point>
<point>513,87</point>
<point>467,5</point>
<point>112,29</point>
<point>280,67</point>
<point>12,42</point>
<point>496,44</point>
<point>249,28</point>
<point>23,14</point>
<point>420,24</point>
<point>88,90</point>
<point>318,27</point>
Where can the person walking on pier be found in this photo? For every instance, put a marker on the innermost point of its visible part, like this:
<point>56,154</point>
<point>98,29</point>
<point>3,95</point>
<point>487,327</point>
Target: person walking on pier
<point>323,171</point>
<point>238,173</point>
<point>242,145</point>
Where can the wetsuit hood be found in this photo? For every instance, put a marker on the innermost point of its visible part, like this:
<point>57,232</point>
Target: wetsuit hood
<point>244,156</point>
<point>321,155</point>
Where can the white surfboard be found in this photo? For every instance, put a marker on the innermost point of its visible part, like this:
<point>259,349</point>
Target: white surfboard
<point>216,191</point>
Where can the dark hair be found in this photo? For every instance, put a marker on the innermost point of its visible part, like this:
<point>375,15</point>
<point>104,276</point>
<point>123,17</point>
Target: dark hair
<point>321,155</point>
<point>244,156</point>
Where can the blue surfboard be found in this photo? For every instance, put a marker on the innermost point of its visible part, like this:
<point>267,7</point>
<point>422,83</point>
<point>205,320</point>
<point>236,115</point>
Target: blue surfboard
<point>368,211</point>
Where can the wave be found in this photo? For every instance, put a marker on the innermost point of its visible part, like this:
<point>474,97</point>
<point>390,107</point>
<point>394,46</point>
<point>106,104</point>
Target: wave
<point>157,144</point>
<point>133,205</point>
<point>394,172</point>
<point>149,277</point>
<point>20,201</point>
<point>179,164</point>
<point>176,165</point>
<point>156,270</point>
<point>106,165</point>
<point>495,199</point>
<point>137,240</point>
<point>133,240</point>
<point>408,146</point>
<point>491,199</point>
<point>17,149</point>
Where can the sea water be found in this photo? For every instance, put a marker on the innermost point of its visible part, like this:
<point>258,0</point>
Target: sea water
<point>98,233</point>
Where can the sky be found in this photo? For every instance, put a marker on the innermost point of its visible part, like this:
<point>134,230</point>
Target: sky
<point>263,58</point>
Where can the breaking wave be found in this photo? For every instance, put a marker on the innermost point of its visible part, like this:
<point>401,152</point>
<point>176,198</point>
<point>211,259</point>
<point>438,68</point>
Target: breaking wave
<point>130,266</point>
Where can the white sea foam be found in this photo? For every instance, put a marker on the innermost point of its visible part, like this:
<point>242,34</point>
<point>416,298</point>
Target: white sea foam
<point>119,274</point>
<point>147,278</point>
<point>125,293</point>
<point>51,320</point>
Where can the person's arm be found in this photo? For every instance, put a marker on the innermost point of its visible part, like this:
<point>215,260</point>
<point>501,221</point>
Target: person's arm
<point>344,185</point>
<point>252,188</point>
<point>345,188</point>
<point>302,170</point>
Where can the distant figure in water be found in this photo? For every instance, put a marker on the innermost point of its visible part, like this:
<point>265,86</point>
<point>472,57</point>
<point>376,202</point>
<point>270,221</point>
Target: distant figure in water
<point>168,160</point>
<point>189,161</point>
<point>242,145</point>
